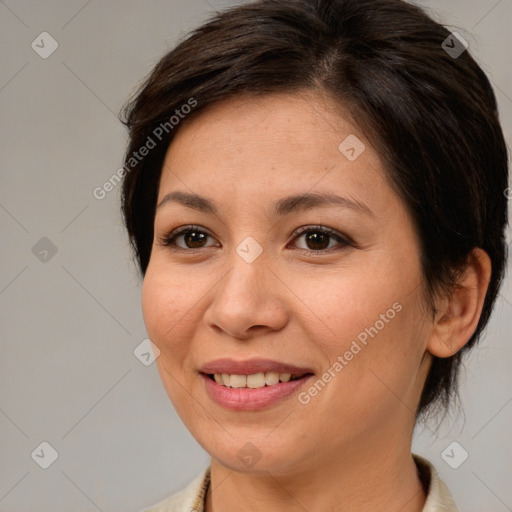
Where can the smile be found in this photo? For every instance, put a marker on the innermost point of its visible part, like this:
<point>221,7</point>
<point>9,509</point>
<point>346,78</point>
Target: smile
<point>252,384</point>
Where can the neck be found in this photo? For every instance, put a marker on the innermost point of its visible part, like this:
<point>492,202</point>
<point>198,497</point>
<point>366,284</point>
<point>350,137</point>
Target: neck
<point>365,477</point>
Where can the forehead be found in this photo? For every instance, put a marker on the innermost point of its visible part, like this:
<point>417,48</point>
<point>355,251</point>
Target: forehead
<point>268,145</point>
<point>248,122</point>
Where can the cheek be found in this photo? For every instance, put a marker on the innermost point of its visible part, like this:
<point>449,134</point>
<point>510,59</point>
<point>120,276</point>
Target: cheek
<point>171,319</point>
<point>354,303</point>
<point>168,310</point>
<point>376,323</point>
<point>385,353</point>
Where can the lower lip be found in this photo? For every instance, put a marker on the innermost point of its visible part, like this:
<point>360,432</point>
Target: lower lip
<point>247,399</point>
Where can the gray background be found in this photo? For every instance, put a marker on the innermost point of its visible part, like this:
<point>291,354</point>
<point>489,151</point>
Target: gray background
<point>71,320</point>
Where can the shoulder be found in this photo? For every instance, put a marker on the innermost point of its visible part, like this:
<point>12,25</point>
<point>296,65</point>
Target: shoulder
<point>190,499</point>
<point>439,498</point>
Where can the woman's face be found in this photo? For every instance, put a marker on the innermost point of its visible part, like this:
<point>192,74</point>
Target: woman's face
<point>262,281</point>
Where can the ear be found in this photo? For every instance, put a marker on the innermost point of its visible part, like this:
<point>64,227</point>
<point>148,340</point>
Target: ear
<point>458,314</point>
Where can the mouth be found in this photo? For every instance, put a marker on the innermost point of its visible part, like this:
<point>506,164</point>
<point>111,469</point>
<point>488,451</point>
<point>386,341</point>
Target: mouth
<point>253,384</point>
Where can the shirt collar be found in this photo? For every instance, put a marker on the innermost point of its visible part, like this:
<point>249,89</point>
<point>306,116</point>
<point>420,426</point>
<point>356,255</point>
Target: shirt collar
<point>439,498</point>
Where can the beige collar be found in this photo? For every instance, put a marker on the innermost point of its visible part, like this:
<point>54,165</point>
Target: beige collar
<point>192,497</point>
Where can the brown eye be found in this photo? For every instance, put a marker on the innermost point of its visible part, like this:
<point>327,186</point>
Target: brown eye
<point>189,237</point>
<point>320,239</point>
<point>194,239</point>
<point>317,241</point>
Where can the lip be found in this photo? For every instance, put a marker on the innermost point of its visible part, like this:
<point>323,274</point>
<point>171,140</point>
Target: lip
<point>251,366</point>
<point>252,399</point>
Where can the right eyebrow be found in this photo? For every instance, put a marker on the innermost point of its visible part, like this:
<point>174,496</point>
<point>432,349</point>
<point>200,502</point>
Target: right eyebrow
<point>191,201</point>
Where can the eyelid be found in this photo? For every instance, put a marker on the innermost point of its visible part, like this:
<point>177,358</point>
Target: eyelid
<point>165,240</point>
<point>343,240</point>
<point>324,229</point>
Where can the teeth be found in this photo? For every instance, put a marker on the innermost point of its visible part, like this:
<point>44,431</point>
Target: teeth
<point>253,381</point>
<point>256,381</point>
<point>271,378</point>
<point>238,381</point>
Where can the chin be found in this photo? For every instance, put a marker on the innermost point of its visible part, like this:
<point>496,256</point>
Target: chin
<point>257,457</point>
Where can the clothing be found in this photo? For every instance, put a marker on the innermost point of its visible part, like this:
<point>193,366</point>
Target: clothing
<point>191,499</point>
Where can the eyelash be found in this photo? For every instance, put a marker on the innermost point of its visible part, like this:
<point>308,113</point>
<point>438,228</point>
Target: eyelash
<point>343,240</point>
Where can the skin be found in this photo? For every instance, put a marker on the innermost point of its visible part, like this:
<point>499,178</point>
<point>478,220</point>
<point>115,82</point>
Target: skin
<point>348,449</point>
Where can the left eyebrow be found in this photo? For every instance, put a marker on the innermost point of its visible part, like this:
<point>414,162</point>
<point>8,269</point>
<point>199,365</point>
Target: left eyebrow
<point>315,199</point>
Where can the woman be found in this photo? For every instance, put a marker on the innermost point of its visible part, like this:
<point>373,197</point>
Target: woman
<point>314,191</point>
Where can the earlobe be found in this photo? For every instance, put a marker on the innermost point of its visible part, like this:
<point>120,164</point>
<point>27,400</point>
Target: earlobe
<point>458,314</point>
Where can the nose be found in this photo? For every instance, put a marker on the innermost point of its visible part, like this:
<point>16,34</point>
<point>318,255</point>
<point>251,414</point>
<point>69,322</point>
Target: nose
<point>248,301</point>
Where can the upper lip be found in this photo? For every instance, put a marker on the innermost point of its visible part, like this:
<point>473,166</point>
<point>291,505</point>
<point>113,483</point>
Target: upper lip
<point>251,366</point>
